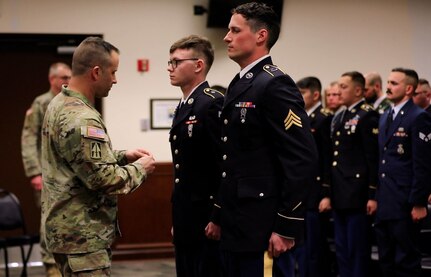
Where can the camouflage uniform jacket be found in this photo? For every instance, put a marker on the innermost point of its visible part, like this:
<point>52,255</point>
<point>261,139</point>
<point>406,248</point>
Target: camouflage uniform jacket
<point>82,176</point>
<point>31,134</point>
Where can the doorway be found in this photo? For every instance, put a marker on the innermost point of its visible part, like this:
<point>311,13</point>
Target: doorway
<point>24,64</point>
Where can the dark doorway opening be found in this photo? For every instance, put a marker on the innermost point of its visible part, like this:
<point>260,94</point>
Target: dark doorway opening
<point>24,64</point>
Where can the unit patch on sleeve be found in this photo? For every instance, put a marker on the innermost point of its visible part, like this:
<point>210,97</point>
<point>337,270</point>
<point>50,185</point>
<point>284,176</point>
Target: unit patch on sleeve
<point>96,150</point>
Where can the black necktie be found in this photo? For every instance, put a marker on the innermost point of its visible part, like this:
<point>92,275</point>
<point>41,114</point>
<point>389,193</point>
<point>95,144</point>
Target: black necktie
<point>233,82</point>
<point>389,120</point>
<point>338,119</point>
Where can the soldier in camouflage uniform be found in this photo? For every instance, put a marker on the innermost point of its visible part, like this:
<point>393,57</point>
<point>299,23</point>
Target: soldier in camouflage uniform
<point>59,74</point>
<point>82,175</point>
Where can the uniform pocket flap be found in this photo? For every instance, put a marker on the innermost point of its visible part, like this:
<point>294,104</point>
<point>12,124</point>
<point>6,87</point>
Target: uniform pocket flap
<point>89,261</point>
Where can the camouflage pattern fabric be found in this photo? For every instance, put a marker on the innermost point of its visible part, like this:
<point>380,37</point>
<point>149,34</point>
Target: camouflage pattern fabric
<point>82,176</point>
<point>85,265</point>
<point>31,134</point>
<point>31,154</point>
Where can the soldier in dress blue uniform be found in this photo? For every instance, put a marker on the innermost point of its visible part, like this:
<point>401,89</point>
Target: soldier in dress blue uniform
<point>313,257</point>
<point>268,152</point>
<point>195,139</point>
<point>422,95</point>
<point>404,177</point>
<point>353,175</point>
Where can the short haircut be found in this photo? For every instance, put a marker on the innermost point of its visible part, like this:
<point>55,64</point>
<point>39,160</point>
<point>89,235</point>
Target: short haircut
<point>356,77</point>
<point>312,83</point>
<point>423,82</point>
<point>201,47</point>
<point>412,77</point>
<point>91,52</point>
<point>260,16</point>
<point>53,69</point>
<point>374,78</point>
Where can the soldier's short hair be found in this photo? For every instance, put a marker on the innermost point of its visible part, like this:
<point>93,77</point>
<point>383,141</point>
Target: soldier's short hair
<point>91,52</point>
<point>260,16</point>
<point>412,77</point>
<point>357,78</point>
<point>423,82</point>
<point>53,69</point>
<point>201,47</point>
<point>312,83</point>
<point>374,78</point>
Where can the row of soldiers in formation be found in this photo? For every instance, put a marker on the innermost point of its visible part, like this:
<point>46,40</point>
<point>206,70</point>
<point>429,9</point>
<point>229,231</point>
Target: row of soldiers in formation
<point>356,154</point>
<point>250,167</point>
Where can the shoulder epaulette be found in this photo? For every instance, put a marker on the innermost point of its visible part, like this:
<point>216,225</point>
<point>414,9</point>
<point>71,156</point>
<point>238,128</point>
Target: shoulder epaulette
<point>326,111</point>
<point>366,107</point>
<point>272,69</point>
<point>212,92</point>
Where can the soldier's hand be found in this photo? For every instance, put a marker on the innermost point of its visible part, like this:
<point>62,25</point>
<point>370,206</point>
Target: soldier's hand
<point>278,245</point>
<point>371,207</point>
<point>133,155</point>
<point>325,205</point>
<point>36,182</point>
<point>148,163</point>
<point>418,213</point>
<point>212,231</point>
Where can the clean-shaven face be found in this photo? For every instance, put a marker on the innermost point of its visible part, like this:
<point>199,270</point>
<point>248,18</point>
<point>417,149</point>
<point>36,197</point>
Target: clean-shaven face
<point>240,40</point>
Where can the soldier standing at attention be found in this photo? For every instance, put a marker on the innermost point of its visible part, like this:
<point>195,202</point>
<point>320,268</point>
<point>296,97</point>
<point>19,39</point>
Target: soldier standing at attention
<point>195,145</point>
<point>404,177</point>
<point>82,175</point>
<point>269,156</point>
<point>59,75</point>
<point>353,176</point>
<point>422,95</point>
<point>374,94</point>
<point>313,257</point>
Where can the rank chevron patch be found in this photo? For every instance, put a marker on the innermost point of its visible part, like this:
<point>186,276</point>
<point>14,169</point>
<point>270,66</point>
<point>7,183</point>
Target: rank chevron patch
<point>292,119</point>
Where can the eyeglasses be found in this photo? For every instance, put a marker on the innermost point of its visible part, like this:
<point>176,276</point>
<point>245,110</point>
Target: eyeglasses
<point>174,63</point>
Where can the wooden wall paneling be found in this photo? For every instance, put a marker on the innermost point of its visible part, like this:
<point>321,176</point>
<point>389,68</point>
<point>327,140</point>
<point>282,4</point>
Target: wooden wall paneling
<point>145,218</point>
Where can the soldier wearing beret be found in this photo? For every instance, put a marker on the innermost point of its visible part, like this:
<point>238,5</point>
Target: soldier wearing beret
<point>82,174</point>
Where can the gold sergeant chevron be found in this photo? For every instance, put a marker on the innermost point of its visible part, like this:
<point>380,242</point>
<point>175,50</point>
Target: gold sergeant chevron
<point>292,119</point>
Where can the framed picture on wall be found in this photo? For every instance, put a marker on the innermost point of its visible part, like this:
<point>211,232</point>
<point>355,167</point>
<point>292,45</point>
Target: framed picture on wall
<point>162,112</point>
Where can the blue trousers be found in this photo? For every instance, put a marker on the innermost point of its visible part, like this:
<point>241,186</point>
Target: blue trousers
<point>351,243</point>
<point>397,241</point>
<point>313,258</point>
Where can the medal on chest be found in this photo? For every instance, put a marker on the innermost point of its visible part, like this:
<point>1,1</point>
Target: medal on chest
<point>243,115</point>
<point>192,120</point>
<point>400,149</point>
<point>351,124</point>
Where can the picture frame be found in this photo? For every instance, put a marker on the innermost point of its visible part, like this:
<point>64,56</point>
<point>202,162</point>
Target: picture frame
<point>162,112</point>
